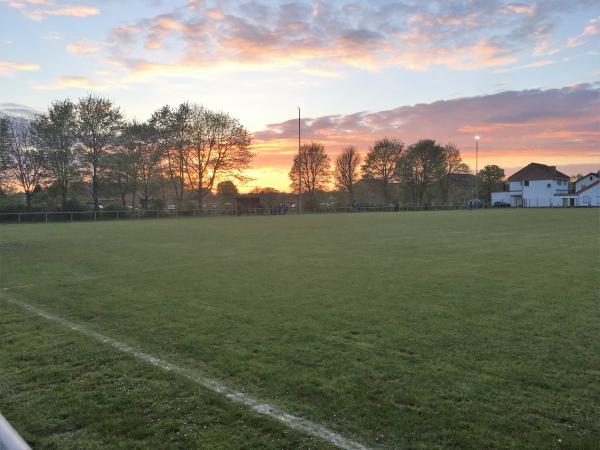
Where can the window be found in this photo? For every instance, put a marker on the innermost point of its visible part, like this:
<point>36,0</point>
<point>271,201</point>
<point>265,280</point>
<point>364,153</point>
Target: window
<point>526,183</point>
<point>549,185</point>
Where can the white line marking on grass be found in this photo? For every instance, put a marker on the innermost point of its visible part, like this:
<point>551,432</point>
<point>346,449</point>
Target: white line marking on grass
<point>23,286</point>
<point>292,421</point>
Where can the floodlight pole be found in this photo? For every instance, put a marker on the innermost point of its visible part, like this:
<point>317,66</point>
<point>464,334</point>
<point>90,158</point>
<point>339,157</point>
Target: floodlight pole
<point>299,167</point>
<point>477,170</point>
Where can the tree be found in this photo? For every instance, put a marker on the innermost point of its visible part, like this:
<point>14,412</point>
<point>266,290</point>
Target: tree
<point>310,170</point>
<point>381,164</point>
<point>150,157</point>
<point>421,166</point>
<point>174,128</point>
<point>491,178</point>
<point>346,171</point>
<point>122,162</point>
<point>99,122</point>
<point>452,164</point>
<point>57,135</point>
<point>226,191</point>
<point>23,162</point>
<point>3,151</point>
<point>219,148</point>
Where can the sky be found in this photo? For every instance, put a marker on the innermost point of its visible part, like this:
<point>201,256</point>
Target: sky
<point>525,76</point>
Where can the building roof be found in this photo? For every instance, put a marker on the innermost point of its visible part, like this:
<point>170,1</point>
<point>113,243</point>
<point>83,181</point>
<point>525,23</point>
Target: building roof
<point>589,186</point>
<point>593,174</point>
<point>537,171</point>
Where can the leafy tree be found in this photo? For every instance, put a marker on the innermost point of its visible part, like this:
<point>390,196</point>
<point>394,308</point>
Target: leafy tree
<point>57,135</point>
<point>122,162</point>
<point>491,178</point>
<point>99,123</point>
<point>421,166</point>
<point>346,171</point>
<point>310,170</point>
<point>381,162</point>
<point>23,162</point>
<point>150,157</point>
<point>226,191</point>
<point>3,152</point>
<point>452,164</point>
<point>219,148</point>
<point>201,147</point>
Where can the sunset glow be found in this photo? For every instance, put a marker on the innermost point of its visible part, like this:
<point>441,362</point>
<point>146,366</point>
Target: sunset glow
<point>521,75</point>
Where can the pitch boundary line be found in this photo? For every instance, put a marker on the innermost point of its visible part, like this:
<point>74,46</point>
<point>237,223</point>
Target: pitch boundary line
<point>292,421</point>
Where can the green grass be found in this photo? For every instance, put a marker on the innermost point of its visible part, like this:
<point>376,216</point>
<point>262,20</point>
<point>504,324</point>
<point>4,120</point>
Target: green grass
<point>411,330</point>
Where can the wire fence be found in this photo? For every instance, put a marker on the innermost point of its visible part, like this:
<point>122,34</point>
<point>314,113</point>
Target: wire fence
<point>149,214</point>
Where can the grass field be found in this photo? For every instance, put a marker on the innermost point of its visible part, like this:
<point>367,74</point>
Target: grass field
<point>408,330</point>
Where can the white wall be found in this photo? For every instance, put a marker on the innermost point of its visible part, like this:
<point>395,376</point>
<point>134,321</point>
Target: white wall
<point>515,186</point>
<point>585,181</point>
<point>590,197</point>
<point>540,193</point>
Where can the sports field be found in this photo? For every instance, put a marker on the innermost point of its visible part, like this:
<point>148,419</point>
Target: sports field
<point>396,330</point>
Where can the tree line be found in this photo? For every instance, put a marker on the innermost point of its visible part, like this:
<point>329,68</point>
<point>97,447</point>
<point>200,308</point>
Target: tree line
<point>192,152</point>
<point>420,167</point>
<point>191,147</point>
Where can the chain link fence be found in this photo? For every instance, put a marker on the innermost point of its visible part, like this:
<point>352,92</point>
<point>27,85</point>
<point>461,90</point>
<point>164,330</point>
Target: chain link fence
<point>149,214</point>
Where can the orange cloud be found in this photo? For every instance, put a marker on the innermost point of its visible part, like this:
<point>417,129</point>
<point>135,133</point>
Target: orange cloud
<point>327,36</point>
<point>41,9</point>
<point>78,82</point>
<point>83,46</point>
<point>557,126</point>
<point>10,67</point>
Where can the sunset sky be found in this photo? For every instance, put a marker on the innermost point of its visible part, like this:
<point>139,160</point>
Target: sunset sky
<point>525,76</point>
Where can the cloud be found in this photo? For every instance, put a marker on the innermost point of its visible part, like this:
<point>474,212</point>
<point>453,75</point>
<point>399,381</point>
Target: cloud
<point>41,9</point>
<point>10,67</point>
<point>591,29</point>
<point>328,35</point>
<point>18,110</point>
<point>531,65</point>
<point>518,8</point>
<point>517,127</point>
<point>75,82</point>
<point>83,46</point>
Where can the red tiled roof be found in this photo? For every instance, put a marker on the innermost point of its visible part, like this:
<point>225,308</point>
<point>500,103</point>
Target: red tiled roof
<point>536,171</point>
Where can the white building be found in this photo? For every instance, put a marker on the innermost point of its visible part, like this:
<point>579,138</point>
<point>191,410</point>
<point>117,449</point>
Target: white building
<point>534,186</point>
<point>542,186</point>
<point>590,178</point>
<point>589,195</point>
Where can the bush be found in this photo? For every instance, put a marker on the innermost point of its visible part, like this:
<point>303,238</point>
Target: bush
<point>157,203</point>
<point>73,205</point>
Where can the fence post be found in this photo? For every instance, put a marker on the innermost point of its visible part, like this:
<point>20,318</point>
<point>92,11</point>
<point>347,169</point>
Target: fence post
<point>94,215</point>
<point>71,217</point>
<point>19,218</point>
<point>46,217</point>
<point>117,214</point>
<point>158,213</point>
